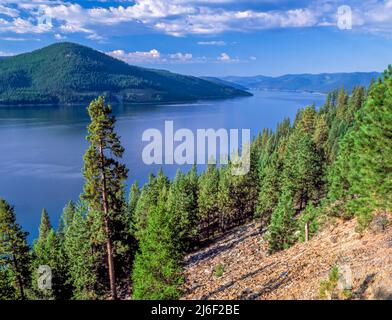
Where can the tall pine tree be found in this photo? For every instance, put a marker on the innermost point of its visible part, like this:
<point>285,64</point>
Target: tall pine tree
<point>103,189</point>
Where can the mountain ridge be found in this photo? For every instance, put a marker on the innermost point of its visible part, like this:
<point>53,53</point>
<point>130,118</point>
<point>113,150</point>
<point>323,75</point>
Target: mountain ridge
<point>321,82</point>
<point>71,73</point>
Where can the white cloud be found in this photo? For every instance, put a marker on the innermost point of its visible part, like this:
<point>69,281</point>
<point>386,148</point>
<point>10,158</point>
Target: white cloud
<point>58,36</point>
<point>212,43</point>
<point>224,57</point>
<point>151,56</point>
<point>184,17</point>
<point>7,11</point>
<point>19,39</point>
<point>154,57</point>
<point>181,56</point>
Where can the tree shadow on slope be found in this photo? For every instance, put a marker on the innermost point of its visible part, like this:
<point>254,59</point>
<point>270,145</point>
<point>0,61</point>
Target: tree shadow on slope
<point>216,250</point>
<point>231,283</point>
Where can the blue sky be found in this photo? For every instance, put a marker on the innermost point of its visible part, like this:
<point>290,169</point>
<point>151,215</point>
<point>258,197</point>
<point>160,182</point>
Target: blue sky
<point>205,37</point>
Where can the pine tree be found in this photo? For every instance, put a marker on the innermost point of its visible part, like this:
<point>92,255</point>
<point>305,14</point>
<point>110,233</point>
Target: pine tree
<point>371,174</point>
<point>134,196</point>
<point>66,218</point>
<point>193,191</point>
<point>281,231</point>
<point>147,200</point>
<point>157,267</point>
<point>207,200</point>
<point>45,227</point>
<point>82,276</point>
<point>303,171</point>
<point>180,206</point>
<point>270,169</point>
<point>103,189</point>
<point>7,290</point>
<point>307,223</point>
<point>47,251</point>
<point>14,256</point>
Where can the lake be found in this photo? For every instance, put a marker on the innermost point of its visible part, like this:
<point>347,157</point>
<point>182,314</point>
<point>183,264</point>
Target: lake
<point>42,147</point>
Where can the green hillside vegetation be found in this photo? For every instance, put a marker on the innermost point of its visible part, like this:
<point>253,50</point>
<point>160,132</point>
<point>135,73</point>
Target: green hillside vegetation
<point>71,73</point>
<point>323,82</point>
<point>331,163</point>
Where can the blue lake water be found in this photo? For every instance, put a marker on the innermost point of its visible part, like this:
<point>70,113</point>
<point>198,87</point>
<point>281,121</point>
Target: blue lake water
<point>42,147</point>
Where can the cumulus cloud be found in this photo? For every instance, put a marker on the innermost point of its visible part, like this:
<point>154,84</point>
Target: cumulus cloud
<point>153,57</point>
<point>184,17</point>
<point>224,57</point>
<point>58,36</point>
<point>137,57</point>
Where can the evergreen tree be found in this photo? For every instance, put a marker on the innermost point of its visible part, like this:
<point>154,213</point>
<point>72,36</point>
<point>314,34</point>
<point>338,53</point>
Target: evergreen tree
<point>371,174</point>
<point>66,218</point>
<point>47,251</point>
<point>14,256</point>
<point>207,200</point>
<point>193,191</point>
<point>281,231</point>
<point>181,206</point>
<point>45,227</point>
<point>157,267</point>
<point>147,200</point>
<point>307,223</point>
<point>82,275</point>
<point>303,172</point>
<point>270,169</point>
<point>134,196</point>
<point>103,189</point>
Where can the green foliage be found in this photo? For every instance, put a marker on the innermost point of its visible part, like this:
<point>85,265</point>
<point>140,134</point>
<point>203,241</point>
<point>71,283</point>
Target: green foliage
<point>71,73</point>
<point>14,256</point>
<point>334,161</point>
<point>219,269</point>
<point>207,200</point>
<point>104,194</point>
<point>308,217</point>
<point>281,231</point>
<point>81,266</point>
<point>180,206</point>
<point>328,288</point>
<point>157,267</point>
<point>371,173</point>
<point>47,251</point>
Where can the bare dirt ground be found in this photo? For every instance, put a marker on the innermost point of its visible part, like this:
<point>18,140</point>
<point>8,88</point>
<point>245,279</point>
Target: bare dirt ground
<point>249,272</point>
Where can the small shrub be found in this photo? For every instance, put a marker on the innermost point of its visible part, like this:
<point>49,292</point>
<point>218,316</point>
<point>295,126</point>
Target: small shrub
<point>219,270</point>
<point>329,288</point>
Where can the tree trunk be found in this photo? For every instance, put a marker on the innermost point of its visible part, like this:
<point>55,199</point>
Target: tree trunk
<point>109,246</point>
<point>22,295</point>
<point>307,231</point>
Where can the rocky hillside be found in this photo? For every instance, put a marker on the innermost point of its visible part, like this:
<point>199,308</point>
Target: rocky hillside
<point>238,266</point>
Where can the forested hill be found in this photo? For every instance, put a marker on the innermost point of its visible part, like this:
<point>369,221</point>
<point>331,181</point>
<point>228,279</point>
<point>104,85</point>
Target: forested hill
<point>71,73</point>
<point>324,82</point>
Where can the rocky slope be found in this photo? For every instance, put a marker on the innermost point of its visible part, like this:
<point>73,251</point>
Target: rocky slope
<point>249,272</point>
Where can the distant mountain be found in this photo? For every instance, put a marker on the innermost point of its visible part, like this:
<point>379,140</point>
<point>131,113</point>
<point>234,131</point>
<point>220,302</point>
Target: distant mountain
<point>225,83</point>
<point>71,73</point>
<point>323,82</point>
